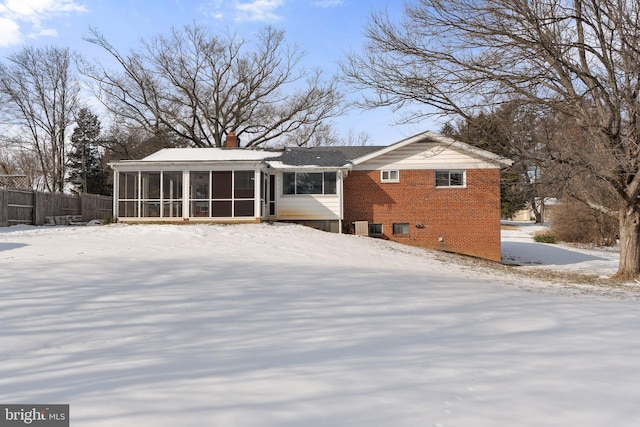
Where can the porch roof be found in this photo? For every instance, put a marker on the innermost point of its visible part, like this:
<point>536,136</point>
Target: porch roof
<point>208,155</point>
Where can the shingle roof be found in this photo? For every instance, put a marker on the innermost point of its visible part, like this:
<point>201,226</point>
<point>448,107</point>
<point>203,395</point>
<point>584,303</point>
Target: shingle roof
<point>321,156</point>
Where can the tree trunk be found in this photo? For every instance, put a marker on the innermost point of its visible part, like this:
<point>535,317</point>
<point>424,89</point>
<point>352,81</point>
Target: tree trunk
<point>537,210</point>
<point>629,267</point>
<point>537,213</point>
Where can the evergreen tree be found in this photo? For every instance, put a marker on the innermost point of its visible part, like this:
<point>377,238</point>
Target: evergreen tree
<point>86,171</point>
<point>508,131</point>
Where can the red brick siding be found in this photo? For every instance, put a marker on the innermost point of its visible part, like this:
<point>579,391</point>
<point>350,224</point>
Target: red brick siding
<point>462,220</point>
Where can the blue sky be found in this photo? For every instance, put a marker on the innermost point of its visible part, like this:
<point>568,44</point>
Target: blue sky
<point>324,29</point>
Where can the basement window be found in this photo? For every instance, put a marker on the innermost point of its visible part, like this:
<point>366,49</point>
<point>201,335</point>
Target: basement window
<point>401,229</point>
<point>375,229</point>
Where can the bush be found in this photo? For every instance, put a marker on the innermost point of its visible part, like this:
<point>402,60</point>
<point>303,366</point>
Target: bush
<point>545,238</point>
<point>575,222</point>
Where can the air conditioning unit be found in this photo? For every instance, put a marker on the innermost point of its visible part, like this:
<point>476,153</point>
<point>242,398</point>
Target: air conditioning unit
<point>361,228</point>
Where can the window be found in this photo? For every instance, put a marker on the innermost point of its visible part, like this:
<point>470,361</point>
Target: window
<point>401,229</point>
<point>243,193</point>
<point>452,178</point>
<point>199,185</point>
<point>222,194</point>
<point>375,229</point>
<point>150,194</point>
<point>309,183</point>
<point>172,194</point>
<point>128,195</point>
<point>150,185</point>
<point>390,176</point>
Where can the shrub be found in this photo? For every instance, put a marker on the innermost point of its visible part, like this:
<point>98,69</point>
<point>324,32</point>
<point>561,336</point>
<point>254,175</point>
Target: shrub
<point>545,238</point>
<point>575,222</point>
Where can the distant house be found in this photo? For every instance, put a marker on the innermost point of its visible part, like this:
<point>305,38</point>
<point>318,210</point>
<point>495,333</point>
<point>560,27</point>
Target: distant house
<point>426,190</point>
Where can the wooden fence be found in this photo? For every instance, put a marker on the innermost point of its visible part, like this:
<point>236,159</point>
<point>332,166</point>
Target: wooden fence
<point>34,207</point>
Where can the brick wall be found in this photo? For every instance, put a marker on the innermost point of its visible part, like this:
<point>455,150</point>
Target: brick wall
<point>462,220</point>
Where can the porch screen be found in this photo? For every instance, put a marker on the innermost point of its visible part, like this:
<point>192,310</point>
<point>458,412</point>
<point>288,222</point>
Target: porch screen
<point>222,194</point>
<point>156,194</point>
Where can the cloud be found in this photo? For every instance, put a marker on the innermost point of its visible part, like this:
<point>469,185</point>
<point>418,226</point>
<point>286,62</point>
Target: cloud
<point>328,3</point>
<point>43,32</point>
<point>213,9</point>
<point>27,16</point>
<point>243,10</point>
<point>9,33</point>
<point>258,11</point>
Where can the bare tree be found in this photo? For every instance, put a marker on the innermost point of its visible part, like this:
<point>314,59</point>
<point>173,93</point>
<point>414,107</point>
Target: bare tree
<point>41,94</point>
<point>20,161</point>
<point>578,58</point>
<point>126,142</point>
<point>199,87</point>
<point>326,134</point>
<point>356,139</point>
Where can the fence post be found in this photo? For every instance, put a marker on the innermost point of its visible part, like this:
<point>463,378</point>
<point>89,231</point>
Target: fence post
<point>84,209</point>
<point>38,208</point>
<point>4,208</point>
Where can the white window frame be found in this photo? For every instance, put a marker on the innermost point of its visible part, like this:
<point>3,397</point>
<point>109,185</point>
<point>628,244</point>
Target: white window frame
<point>389,177</point>
<point>449,171</point>
<point>324,192</point>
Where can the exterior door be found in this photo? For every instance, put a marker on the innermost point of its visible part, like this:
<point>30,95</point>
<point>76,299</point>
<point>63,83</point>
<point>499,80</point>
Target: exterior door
<point>271,196</point>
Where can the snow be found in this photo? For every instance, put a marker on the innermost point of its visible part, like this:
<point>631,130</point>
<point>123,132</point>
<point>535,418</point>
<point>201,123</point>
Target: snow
<point>209,154</point>
<point>518,248</point>
<point>280,325</point>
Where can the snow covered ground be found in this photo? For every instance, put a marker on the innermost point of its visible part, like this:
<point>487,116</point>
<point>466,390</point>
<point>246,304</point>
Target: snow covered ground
<point>260,325</point>
<point>518,248</point>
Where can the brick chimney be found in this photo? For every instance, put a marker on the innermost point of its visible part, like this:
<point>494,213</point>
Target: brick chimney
<point>232,140</point>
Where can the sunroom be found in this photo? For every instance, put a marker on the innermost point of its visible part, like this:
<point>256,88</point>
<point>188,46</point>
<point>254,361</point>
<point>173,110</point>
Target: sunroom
<point>192,185</point>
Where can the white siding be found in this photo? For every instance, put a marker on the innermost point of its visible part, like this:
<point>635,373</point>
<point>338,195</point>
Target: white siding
<point>308,207</point>
<point>425,155</point>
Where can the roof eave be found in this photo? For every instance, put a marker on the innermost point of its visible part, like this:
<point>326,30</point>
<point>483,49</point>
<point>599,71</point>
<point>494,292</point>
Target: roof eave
<point>149,163</point>
<point>275,165</point>
<point>436,137</point>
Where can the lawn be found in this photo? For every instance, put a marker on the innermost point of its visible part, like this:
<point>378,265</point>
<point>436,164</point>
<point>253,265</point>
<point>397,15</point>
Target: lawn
<point>281,325</point>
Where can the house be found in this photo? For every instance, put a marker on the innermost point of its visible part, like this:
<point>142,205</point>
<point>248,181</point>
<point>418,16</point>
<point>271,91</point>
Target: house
<point>544,207</point>
<point>426,190</point>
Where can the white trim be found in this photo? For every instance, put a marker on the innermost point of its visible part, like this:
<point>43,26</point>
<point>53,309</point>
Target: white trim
<point>257,200</point>
<point>186,183</point>
<point>389,179</point>
<point>464,178</point>
<point>137,165</point>
<point>116,193</point>
<point>441,139</point>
